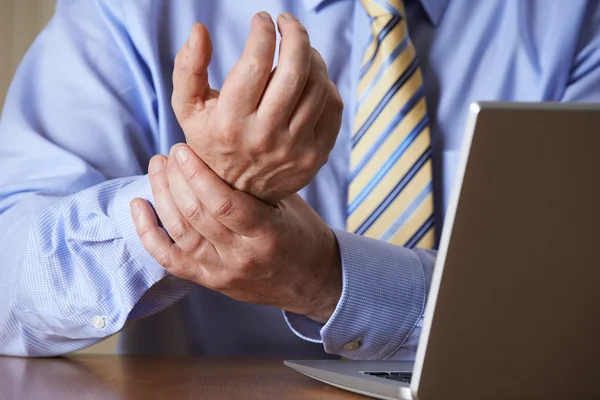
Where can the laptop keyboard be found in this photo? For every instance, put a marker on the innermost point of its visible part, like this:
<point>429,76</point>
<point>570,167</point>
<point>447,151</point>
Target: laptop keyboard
<point>404,377</point>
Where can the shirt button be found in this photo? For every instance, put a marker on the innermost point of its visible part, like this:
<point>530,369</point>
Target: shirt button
<point>98,322</point>
<point>351,346</point>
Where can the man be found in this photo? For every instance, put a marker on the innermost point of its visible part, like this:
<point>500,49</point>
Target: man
<point>91,104</point>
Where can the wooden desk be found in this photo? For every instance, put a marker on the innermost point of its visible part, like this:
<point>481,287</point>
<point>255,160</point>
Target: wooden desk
<point>113,377</point>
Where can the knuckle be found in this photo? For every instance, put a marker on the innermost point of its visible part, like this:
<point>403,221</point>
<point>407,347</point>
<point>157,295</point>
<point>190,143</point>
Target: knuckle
<point>228,132</point>
<point>295,76</point>
<point>170,167</point>
<point>163,257</point>
<point>317,57</point>
<point>338,106</point>
<point>267,29</point>
<point>321,87</point>
<point>300,29</point>
<point>194,179</point>
<point>192,211</point>
<point>198,244</point>
<point>284,154</point>
<point>224,126</point>
<point>257,68</point>
<point>324,83</point>
<point>223,208</point>
<point>158,185</point>
<point>310,160</point>
<point>247,262</point>
<point>143,232</point>
<point>222,235</point>
<point>318,63</point>
<point>260,144</point>
<point>177,230</point>
<point>336,99</point>
<point>245,219</point>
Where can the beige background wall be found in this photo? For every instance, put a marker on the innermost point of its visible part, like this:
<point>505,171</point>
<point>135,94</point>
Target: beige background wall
<point>20,22</point>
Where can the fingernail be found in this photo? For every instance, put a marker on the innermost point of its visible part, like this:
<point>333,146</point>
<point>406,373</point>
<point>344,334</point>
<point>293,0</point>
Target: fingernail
<point>264,15</point>
<point>288,16</point>
<point>156,165</point>
<point>193,39</point>
<point>181,154</point>
<point>136,210</point>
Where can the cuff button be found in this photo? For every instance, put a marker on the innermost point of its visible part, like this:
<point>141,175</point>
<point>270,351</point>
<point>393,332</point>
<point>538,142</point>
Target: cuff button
<point>353,345</point>
<point>98,322</point>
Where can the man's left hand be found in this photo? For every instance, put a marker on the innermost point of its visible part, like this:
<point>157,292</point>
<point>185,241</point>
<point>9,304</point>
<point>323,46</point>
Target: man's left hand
<point>227,240</point>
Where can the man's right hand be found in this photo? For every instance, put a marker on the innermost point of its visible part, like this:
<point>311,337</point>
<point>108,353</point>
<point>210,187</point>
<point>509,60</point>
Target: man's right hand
<point>267,132</point>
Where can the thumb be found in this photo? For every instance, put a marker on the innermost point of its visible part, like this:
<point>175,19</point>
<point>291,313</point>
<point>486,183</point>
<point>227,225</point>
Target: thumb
<point>190,75</point>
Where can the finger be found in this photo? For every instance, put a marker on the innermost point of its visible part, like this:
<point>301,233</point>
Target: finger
<point>190,73</point>
<point>237,210</point>
<point>192,209</point>
<point>246,83</point>
<point>157,242</point>
<point>291,74</point>
<point>328,126</point>
<point>180,230</point>
<point>312,102</point>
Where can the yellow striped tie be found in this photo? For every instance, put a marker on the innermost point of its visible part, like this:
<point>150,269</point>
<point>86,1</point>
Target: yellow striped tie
<point>390,196</point>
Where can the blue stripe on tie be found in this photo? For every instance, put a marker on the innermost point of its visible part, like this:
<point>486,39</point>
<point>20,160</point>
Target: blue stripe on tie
<point>382,34</point>
<point>388,165</point>
<point>388,61</point>
<point>395,192</point>
<point>386,98</point>
<point>389,129</point>
<point>412,242</point>
<point>391,231</point>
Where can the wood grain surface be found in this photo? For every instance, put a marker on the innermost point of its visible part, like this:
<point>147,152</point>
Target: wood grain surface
<point>114,377</point>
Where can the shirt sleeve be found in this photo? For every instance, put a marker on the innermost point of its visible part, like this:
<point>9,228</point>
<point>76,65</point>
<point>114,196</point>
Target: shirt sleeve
<point>380,312</point>
<point>76,134</point>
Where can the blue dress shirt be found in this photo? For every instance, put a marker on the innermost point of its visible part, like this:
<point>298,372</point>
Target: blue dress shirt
<point>90,104</point>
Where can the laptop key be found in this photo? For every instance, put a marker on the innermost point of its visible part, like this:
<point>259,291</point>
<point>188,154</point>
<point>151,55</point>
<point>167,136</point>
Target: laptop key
<point>403,374</point>
<point>397,378</point>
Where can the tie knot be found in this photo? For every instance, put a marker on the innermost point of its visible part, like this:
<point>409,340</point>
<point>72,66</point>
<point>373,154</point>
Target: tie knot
<point>382,8</point>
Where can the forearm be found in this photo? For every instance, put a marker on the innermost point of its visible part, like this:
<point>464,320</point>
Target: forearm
<point>67,260</point>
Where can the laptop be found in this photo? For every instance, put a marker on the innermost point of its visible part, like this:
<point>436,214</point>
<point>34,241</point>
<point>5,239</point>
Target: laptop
<point>514,306</point>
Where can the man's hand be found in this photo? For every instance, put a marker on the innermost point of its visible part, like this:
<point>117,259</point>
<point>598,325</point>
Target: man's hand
<point>283,255</point>
<point>266,133</point>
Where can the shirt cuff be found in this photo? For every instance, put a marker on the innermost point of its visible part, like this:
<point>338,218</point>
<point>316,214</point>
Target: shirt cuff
<point>139,188</point>
<point>382,303</point>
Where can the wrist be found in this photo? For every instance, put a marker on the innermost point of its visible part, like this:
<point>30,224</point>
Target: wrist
<point>331,290</point>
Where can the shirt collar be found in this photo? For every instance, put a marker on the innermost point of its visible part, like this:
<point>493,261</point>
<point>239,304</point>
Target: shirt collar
<point>434,8</point>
